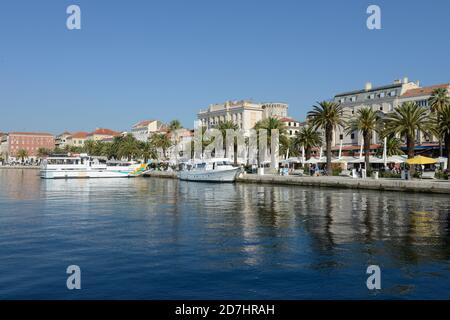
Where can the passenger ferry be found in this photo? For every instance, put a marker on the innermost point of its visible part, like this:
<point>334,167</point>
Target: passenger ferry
<point>84,166</point>
<point>213,170</point>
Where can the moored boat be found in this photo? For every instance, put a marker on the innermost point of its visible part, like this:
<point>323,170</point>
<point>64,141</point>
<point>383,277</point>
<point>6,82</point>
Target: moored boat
<point>214,170</point>
<point>84,166</point>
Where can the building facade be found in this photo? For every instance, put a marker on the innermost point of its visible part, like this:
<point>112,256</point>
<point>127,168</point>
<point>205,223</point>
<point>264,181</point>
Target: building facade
<point>61,139</point>
<point>383,99</point>
<point>292,126</point>
<point>30,142</point>
<point>143,130</point>
<point>101,134</point>
<point>77,139</point>
<point>245,114</point>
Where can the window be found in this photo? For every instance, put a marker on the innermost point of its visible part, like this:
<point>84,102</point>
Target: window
<point>341,137</point>
<point>353,99</point>
<point>382,94</point>
<point>381,108</point>
<point>352,136</point>
<point>392,93</point>
<point>371,96</point>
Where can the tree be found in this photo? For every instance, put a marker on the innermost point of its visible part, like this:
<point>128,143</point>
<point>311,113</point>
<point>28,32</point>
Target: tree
<point>174,125</point>
<point>367,121</point>
<point>43,152</point>
<point>270,124</point>
<point>393,146</point>
<point>128,147</point>
<point>442,120</point>
<point>406,120</point>
<point>161,141</point>
<point>327,116</point>
<point>22,154</point>
<point>147,151</point>
<point>223,127</point>
<point>438,100</point>
<point>308,138</point>
<point>89,147</point>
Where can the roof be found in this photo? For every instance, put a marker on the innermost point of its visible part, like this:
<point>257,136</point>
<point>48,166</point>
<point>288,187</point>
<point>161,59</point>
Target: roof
<point>143,123</point>
<point>104,132</point>
<point>391,86</point>
<point>79,135</point>
<point>425,91</point>
<point>288,119</point>
<point>31,134</point>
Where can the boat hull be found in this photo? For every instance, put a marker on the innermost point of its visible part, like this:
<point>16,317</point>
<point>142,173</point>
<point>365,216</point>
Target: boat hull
<point>228,175</point>
<point>88,174</point>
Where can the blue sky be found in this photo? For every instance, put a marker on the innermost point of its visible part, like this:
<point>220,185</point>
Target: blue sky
<point>136,60</point>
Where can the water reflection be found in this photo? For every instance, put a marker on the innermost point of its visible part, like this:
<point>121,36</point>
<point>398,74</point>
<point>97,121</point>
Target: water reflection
<point>224,230</point>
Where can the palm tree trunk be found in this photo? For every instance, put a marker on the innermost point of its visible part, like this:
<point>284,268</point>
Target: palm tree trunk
<point>447,146</point>
<point>329,135</point>
<point>410,145</point>
<point>367,150</point>
<point>308,153</point>
<point>235,153</point>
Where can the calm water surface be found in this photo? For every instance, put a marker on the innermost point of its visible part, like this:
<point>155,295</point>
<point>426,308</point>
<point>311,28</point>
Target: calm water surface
<point>165,239</point>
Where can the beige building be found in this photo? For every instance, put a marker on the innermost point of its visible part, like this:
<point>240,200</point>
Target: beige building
<point>144,129</point>
<point>77,139</point>
<point>383,99</point>
<point>101,134</point>
<point>243,113</point>
<point>61,140</point>
<point>292,126</point>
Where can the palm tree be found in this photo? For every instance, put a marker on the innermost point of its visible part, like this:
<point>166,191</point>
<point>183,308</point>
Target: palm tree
<point>442,120</point>
<point>223,127</point>
<point>89,147</point>
<point>438,100</point>
<point>327,116</point>
<point>367,121</point>
<point>270,124</point>
<point>161,141</point>
<point>406,120</point>
<point>22,154</point>
<point>147,151</point>
<point>43,152</point>
<point>308,138</point>
<point>393,146</point>
<point>128,147</point>
<point>174,125</point>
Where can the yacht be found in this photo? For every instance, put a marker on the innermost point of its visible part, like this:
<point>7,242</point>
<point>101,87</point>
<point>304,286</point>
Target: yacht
<point>84,166</point>
<point>213,170</point>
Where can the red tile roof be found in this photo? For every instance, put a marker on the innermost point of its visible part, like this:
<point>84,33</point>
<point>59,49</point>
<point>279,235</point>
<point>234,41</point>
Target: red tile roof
<point>79,135</point>
<point>104,132</point>
<point>31,134</point>
<point>425,91</point>
<point>143,123</point>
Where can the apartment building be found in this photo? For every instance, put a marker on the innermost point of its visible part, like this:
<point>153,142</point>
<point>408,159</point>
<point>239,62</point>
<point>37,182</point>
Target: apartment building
<point>244,113</point>
<point>144,129</point>
<point>31,142</point>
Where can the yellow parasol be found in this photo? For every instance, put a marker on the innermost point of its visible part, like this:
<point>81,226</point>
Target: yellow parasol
<point>421,160</point>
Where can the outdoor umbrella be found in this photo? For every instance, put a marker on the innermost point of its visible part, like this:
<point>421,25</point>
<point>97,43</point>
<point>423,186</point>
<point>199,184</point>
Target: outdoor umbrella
<point>421,160</point>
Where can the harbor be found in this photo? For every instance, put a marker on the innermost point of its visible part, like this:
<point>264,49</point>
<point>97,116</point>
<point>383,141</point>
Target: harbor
<point>162,238</point>
<point>397,185</point>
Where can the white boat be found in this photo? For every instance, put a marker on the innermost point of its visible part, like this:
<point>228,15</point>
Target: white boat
<point>84,166</point>
<point>214,170</point>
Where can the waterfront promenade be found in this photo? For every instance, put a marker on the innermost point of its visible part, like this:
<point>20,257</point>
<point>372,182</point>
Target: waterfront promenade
<point>416,185</point>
